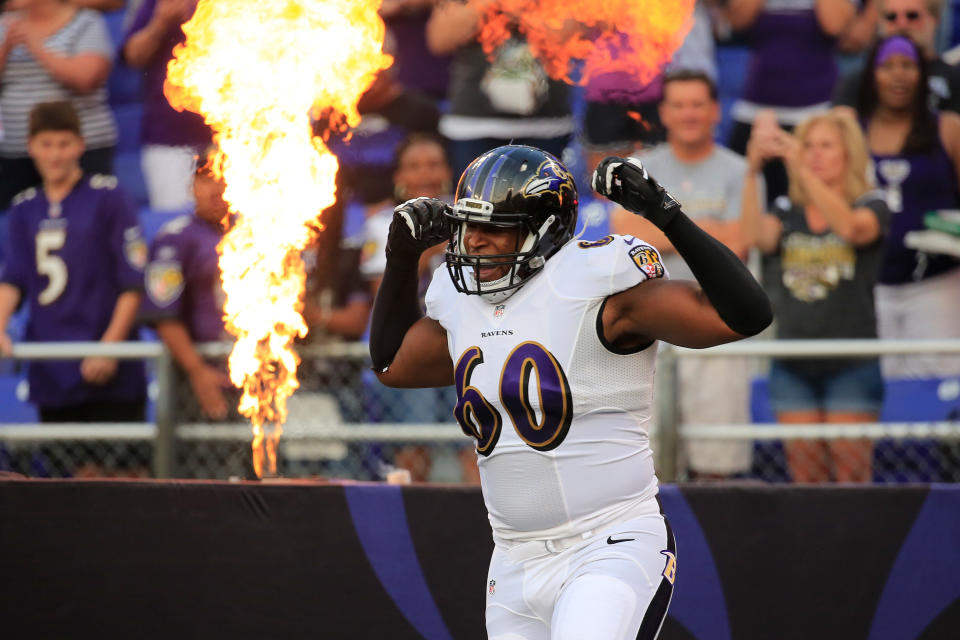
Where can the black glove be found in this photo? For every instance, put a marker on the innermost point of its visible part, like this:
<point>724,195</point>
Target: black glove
<point>626,182</point>
<point>417,225</point>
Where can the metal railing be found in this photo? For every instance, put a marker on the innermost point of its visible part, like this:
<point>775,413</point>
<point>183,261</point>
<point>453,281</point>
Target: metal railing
<point>302,436</point>
<point>164,431</point>
<point>671,430</point>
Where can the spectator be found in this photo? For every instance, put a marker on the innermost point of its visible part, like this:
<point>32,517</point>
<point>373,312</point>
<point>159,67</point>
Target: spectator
<point>415,67</point>
<point>51,50</point>
<point>422,170</point>
<point>916,157</point>
<point>184,301</point>
<point>621,116</point>
<point>827,237</point>
<point>917,19</point>
<point>707,179</point>
<point>859,35</point>
<point>184,304</point>
<point>510,98</point>
<point>170,138</point>
<point>75,255</point>
<point>792,66</point>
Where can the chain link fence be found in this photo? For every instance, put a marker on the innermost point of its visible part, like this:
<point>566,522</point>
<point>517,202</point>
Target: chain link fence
<point>917,440</point>
<point>343,424</point>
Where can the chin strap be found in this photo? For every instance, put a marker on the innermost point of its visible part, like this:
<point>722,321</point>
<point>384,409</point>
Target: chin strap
<point>499,296</point>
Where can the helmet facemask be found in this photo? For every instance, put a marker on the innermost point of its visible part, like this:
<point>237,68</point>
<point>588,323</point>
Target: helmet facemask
<point>523,262</point>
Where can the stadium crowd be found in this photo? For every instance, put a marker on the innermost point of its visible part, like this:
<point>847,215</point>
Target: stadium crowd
<point>817,139</point>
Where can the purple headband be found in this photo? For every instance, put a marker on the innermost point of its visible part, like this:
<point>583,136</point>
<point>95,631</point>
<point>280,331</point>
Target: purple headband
<point>894,46</point>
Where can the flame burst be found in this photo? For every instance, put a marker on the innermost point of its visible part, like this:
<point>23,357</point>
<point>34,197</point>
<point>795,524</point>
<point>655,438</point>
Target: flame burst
<point>256,70</point>
<point>635,37</point>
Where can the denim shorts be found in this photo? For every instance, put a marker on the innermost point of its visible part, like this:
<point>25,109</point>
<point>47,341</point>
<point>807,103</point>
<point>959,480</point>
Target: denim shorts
<point>855,389</point>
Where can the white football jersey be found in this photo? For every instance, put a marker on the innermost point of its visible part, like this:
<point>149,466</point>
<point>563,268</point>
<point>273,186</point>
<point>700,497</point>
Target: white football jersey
<point>561,418</point>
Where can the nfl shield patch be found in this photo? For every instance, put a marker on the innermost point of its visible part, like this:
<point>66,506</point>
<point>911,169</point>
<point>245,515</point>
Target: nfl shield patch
<point>492,587</point>
<point>498,311</point>
<point>164,282</point>
<point>647,260</point>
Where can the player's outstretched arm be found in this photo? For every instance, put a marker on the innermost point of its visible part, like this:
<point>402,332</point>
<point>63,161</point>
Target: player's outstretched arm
<point>408,350</point>
<point>729,304</point>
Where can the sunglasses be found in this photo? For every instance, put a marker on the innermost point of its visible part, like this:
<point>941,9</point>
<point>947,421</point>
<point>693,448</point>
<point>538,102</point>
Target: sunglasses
<point>911,16</point>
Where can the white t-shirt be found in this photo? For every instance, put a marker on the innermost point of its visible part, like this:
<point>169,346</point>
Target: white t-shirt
<point>24,82</point>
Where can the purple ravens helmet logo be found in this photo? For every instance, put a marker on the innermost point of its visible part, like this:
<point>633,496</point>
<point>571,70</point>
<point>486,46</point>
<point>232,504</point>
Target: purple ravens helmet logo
<point>550,178</point>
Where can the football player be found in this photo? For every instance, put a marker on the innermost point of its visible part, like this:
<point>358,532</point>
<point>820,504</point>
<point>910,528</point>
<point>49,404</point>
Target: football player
<point>550,343</point>
<point>75,256</point>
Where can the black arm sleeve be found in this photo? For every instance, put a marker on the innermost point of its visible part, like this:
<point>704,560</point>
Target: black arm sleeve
<point>732,290</point>
<point>395,309</point>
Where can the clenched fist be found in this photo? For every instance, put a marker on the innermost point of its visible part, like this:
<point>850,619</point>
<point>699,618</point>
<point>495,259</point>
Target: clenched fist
<point>417,225</point>
<point>626,182</point>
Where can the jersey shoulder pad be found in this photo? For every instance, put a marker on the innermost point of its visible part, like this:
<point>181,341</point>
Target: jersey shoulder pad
<point>102,181</point>
<point>599,268</point>
<point>24,196</point>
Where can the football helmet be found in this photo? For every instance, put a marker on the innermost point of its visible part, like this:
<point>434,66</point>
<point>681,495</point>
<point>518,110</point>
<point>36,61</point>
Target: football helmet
<point>511,186</point>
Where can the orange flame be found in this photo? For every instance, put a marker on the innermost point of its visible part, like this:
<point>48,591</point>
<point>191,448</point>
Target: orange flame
<point>637,37</point>
<point>636,116</point>
<point>256,70</point>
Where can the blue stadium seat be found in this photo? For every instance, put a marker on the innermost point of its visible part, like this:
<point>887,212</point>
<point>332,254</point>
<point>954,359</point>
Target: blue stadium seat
<point>124,86</point>
<point>124,91</point>
<point>126,166</point>
<point>128,117</point>
<point>354,219</point>
<point>732,72</point>
<point>114,20</point>
<point>12,408</point>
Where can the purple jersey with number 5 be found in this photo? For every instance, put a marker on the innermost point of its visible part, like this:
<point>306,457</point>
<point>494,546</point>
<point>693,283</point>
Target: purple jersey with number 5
<point>71,261</point>
<point>183,279</point>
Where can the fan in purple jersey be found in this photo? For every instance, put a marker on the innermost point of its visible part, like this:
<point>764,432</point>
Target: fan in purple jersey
<point>75,257</point>
<point>184,300</point>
